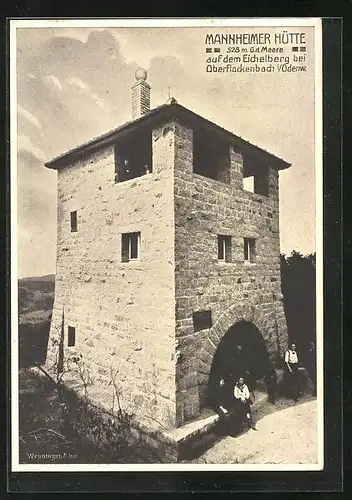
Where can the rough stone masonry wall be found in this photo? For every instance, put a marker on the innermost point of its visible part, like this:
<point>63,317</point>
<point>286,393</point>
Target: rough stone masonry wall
<point>205,208</point>
<point>123,312</point>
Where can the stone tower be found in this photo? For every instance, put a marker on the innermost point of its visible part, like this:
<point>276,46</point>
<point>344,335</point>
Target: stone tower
<point>167,251</point>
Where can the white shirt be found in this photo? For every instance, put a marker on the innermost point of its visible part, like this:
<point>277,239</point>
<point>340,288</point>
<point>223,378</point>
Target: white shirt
<point>242,394</point>
<point>291,357</point>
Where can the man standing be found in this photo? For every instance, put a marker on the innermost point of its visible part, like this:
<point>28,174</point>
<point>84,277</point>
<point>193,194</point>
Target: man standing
<point>291,369</point>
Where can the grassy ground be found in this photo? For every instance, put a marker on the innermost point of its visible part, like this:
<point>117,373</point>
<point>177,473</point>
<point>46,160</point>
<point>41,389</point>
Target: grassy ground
<point>57,427</point>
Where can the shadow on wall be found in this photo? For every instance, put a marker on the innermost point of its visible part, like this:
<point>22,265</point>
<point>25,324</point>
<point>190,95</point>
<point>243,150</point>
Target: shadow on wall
<point>299,290</point>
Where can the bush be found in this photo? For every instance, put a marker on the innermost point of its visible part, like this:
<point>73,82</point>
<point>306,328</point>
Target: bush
<point>54,419</point>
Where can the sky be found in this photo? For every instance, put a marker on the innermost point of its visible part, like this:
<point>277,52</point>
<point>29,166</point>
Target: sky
<point>74,84</point>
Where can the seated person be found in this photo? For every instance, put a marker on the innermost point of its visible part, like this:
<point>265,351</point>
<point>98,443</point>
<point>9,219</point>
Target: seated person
<point>221,397</point>
<point>243,402</point>
<point>223,403</point>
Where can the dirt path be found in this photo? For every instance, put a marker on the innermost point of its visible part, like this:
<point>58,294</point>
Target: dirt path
<point>284,436</point>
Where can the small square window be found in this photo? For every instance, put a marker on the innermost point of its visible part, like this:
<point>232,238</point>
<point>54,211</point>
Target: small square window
<point>130,245</point>
<point>71,337</point>
<point>202,320</point>
<point>224,248</point>
<point>73,221</point>
<point>249,249</point>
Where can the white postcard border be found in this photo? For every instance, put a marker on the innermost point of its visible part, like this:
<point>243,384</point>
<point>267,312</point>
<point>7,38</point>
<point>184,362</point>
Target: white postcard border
<point>163,22</point>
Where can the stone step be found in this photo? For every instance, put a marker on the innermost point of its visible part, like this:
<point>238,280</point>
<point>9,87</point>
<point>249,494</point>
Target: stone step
<point>196,436</point>
<point>260,385</point>
<point>261,398</point>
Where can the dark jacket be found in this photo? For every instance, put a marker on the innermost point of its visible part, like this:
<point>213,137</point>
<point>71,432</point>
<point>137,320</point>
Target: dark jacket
<point>222,396</point>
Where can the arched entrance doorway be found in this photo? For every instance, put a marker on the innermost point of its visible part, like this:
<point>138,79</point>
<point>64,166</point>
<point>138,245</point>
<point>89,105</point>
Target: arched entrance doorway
<point>241,353</point>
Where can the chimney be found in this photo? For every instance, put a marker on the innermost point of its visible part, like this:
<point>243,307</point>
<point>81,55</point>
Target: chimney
<point>140,94</point>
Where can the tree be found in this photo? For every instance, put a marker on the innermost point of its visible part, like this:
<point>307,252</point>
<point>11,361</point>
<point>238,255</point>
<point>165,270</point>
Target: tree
<point>299,291</point>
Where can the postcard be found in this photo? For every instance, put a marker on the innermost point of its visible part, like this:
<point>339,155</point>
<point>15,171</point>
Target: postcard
<point>166,244</point>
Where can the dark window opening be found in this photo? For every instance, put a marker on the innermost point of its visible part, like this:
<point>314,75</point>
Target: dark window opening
<point>211,156</point>
<point>202,320</point>
<point>73,221</point>
<point>71,337</point>
<point>130,244</point>
<point>133,156</point>
<point>255,178</point>
<point>224,248</point>
<point>249,250</point>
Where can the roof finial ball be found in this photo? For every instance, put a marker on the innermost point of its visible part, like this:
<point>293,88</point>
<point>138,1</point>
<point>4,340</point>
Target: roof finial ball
<point>141,74</point>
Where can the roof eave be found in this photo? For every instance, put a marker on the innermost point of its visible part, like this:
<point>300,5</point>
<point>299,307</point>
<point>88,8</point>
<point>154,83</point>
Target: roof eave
<point>241,143</point>
<point>98,142</point>
<point>110,137</point>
